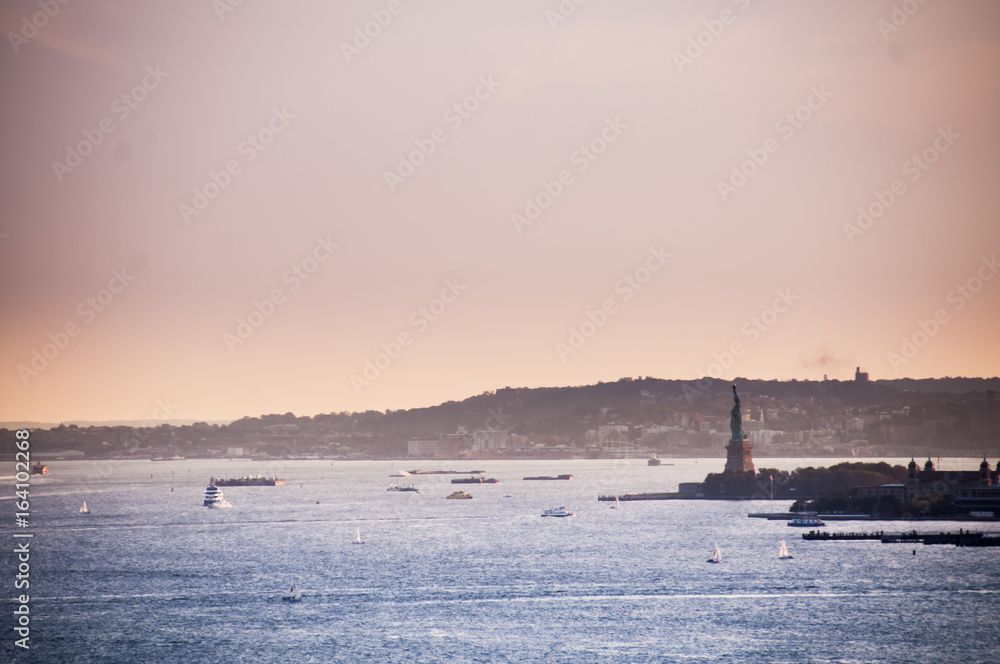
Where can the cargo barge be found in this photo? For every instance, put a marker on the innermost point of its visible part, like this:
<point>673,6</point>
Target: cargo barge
<point>249,480</point>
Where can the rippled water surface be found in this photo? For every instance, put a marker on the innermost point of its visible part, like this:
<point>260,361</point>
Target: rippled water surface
<point>151,576</point>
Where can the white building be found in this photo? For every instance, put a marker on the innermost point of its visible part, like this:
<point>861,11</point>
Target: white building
<point>490,439</point>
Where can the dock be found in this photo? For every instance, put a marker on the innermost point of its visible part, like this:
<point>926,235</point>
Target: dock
<point>961,538</point>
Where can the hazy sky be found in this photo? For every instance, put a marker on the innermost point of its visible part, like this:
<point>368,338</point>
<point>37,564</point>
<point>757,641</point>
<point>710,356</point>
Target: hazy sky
<point>476,194</point>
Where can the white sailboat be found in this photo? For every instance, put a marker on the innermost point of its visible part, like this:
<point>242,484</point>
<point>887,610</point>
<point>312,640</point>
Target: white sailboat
<point>616,505</point>
<point>783,552</point>
<point>294,595</point>
<point>717,555</point>
<point>85,509</point>
<point>357,536</point>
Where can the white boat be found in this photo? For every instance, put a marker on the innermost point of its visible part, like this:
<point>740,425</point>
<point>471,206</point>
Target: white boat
<point>294,595</point>
<point>400,473</point>
<point>806,522</point>
<point>717,555</point>
<point>85,509</point>
<point>557,511</point>
<point>214,498</point>
<point>357,536</point>
<point>783,552</point>
<point>616,505</point>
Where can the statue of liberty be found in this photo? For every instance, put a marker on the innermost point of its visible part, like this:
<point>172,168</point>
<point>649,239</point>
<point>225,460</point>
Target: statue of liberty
<point>735,422</point>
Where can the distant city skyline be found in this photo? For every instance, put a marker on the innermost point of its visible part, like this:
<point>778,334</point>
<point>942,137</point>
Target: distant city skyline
<point>247,209</point>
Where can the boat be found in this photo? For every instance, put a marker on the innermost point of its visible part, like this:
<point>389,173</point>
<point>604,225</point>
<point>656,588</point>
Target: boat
<point>400,473</point>
<point>39,469</point>
<point>557,511</point>
<point>617,504</point>
<point>475,480</point>
<point>248,480</point>
<point>357,536</point>
<point>460,495</point>
<point>214,498</point>
<point>716,556</point>
<point>85,509</point>
<point>806,521</point>
<point>294,595</point>
<point>783,552</point>
<point>550,477</point>
<point>410,487</point>
<point>654,461</point>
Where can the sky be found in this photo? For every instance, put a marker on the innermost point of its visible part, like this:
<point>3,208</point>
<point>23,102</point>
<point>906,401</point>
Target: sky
<point>217,209</point>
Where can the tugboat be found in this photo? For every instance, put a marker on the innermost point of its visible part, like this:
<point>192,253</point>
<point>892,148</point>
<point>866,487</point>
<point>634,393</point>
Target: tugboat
<point>39,469</point>
<point>460,495</point>
<point>214,499</point>
<point>557,511</point>
<point>655,461</point>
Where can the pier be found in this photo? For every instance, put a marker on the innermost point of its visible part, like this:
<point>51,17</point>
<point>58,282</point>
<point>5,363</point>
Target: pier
<point>961,538</point>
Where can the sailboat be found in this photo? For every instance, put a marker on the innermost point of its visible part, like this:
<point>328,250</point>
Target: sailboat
<point>783,552</point>
<point>717,556</point>
<point>294,595</point>
<point>616,505</point>
<point>357,537</point>
<point>85,509</point>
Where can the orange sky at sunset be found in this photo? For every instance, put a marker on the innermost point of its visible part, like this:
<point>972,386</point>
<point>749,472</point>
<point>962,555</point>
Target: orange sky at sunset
<point>259,208</point>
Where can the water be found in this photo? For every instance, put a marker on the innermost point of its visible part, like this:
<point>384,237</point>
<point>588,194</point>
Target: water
<point>151,576</point>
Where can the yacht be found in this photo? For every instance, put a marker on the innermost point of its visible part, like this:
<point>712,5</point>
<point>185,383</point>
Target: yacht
<point>460,495</point>
<point>214,498</point>
<point>557,511</point>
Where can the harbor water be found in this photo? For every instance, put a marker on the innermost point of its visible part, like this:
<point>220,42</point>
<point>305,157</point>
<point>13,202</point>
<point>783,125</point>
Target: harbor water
<point>150,575</point>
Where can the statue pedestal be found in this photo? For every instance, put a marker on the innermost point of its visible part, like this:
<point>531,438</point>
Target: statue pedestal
<point>738,457</point>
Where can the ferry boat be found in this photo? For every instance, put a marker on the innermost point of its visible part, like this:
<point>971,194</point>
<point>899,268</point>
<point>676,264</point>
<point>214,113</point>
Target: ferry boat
<point>806,521</point>
<point>409,487</point>
<point>214,498</point>
<point>460,495</point>
<point>557,511</point>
